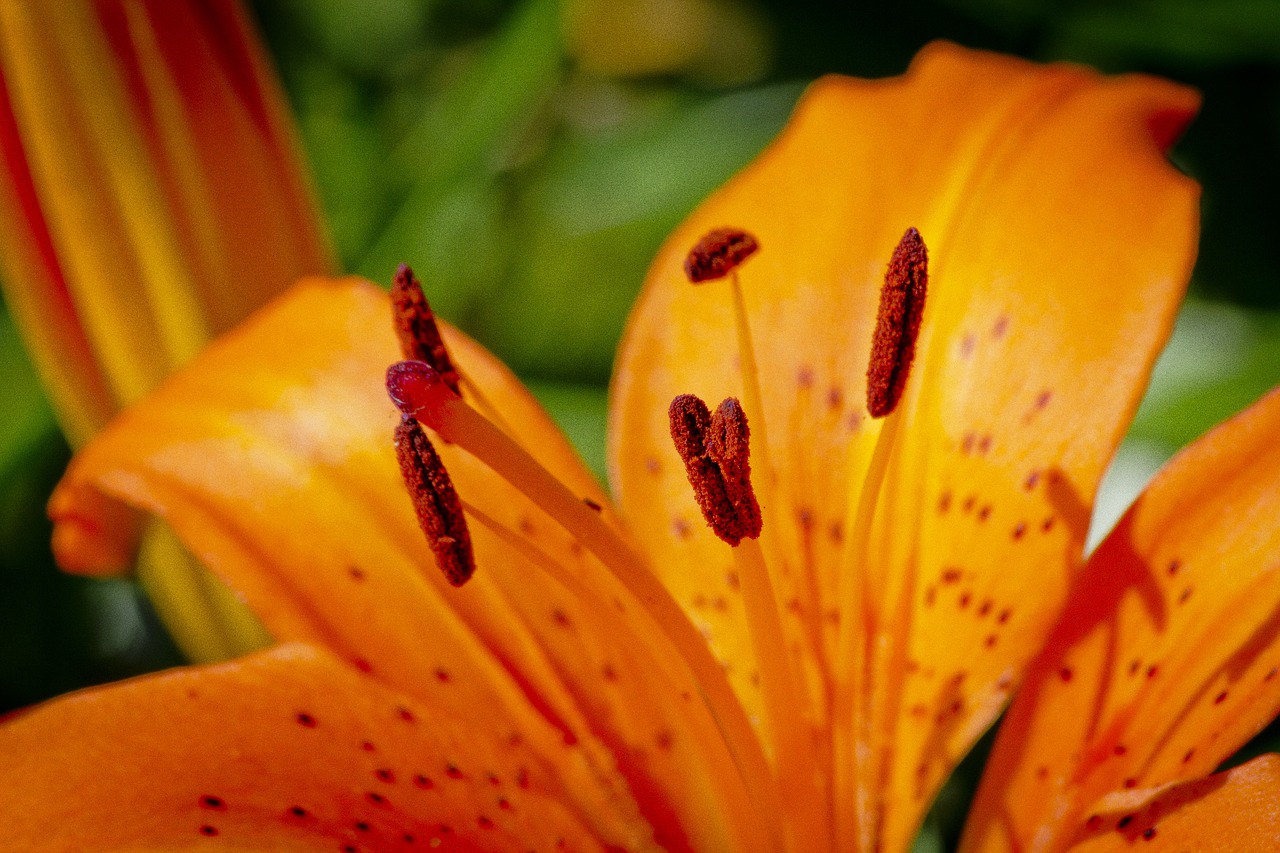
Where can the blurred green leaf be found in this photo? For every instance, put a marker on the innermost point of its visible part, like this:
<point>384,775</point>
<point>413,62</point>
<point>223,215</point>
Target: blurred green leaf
<point>580,411</point>
<point>468,133</point>
<point>361,35</point>
<point>1219,361</point>
<point>1184,31</point>
<point>593,214</point>
<point>25,416</point>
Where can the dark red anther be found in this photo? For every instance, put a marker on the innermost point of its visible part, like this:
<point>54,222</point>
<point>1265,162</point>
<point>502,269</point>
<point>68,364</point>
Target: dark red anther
<point>715,451</point>
<point>416,327</point>
<point>719,253</point>
<point>435,502</point>
<point>893,345</point>
<point>729,447</point>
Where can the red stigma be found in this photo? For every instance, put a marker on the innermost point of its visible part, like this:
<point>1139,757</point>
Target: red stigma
<point>415,387</point>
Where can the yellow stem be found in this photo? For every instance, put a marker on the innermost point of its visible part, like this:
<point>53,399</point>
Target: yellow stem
<point>787,722</point>
<point>854,655</point>
<point>751,383</point>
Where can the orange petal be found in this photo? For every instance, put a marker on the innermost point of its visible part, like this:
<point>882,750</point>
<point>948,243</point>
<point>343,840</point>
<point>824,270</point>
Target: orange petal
<point>1060,242</point>
<point>271,458</point>
<point>152,195</point>
<point>285,750</point>
<point>1233,812</point>
<point>1167,656</point>
<point>36,293</point>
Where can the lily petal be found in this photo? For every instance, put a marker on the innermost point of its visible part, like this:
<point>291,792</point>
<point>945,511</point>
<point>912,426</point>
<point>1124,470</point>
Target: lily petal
<point>1166,659</point>
<point>1060,242</point>
<point>271,458</point>
<point>1237,811</point>
<point>151,195</point>
<point>286,750</point>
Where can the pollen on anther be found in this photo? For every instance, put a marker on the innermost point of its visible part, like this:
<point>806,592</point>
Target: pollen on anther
<point>893,343</point>
<point>415,325</point>
<point>435,502</point>
<point>715,451</point>
<point>719,253</point>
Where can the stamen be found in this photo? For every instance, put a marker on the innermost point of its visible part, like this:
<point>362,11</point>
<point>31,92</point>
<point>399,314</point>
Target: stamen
<point>860,657</point>
<point>415,325</point>
<point>715,449</point>
<point>893,345</point>
<point>715,452</point>
<point>417,390</point>
<point>719,253</point>
<point>435,502</point>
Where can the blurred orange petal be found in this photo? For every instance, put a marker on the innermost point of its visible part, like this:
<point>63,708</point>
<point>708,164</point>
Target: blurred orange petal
<point>284,750</point>
<point>151,195</point>
<point>1237,811</point>
<point>1060,241</point>
<point>1166,658</point>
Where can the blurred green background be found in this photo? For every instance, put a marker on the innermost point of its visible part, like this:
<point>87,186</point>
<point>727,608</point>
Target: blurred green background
<point>528,157</point>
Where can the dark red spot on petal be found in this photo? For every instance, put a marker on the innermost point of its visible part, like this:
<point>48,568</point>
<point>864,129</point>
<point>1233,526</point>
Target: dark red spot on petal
<point>306,720</point>
<point>208,830</point>
<point>208,801</point>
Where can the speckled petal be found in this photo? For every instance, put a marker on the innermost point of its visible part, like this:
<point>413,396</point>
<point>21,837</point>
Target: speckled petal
<point>287,750</point>
<point>1060,241</point>
<point>1166,660</point>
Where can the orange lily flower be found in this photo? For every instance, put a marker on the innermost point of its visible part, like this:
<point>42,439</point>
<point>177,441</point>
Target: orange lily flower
<point>151,197</point>
<point>615,676</point>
